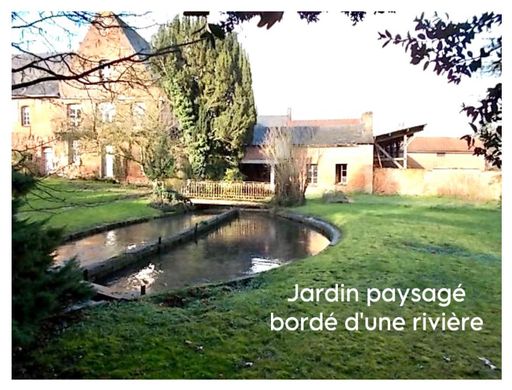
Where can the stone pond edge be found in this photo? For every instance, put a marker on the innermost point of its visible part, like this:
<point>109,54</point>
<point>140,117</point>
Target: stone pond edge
<point>121,261</point>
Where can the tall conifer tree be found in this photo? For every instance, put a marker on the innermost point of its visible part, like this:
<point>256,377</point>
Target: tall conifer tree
<point>210,89</point>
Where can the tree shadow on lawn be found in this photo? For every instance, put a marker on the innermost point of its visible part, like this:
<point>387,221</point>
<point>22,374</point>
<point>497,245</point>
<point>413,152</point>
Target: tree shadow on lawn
<point>462,221</point>
<point>450,250</point>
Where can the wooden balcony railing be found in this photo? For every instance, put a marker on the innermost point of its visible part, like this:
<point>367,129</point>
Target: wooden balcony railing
<point>222,190</point>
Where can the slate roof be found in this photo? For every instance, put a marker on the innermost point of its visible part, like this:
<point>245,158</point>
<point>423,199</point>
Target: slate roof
<point>43,89</point>
<point>330,132</point>
<point>331,135</point>
<point>138,43</point>
<point>263,122</point>
<point>440,145</point>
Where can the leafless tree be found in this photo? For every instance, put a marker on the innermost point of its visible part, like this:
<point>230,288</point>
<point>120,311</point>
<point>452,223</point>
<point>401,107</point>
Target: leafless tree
<point>55,65</point>
<point>290,161</point>
<point>142,131</point>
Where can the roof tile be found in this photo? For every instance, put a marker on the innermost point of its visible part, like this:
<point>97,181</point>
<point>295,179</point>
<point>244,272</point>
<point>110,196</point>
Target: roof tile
<point>440,145</point>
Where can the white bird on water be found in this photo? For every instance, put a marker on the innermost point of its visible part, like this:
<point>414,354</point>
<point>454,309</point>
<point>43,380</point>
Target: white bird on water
<point>147,275</point>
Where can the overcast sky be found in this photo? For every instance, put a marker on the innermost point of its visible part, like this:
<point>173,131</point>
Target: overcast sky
<point>331,69</point>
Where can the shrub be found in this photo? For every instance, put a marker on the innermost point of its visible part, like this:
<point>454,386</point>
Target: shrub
<point>38,292</point>
<point>335,196</point>
<point>233,174</point>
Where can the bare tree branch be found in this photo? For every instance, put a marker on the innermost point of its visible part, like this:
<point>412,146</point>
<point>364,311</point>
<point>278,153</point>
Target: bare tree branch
<point>138,57</point>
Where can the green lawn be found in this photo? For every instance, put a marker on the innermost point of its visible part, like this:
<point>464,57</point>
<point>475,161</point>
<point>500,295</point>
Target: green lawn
<point>223,332</point>
<point>76,205</point>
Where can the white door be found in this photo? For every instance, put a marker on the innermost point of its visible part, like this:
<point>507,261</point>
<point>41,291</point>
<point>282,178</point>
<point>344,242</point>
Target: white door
<point>109,161</point>
<point>48,159</point>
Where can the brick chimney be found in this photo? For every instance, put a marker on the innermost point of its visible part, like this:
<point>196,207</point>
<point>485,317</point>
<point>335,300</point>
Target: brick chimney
<point>367,119</point>
<point>289,114</point>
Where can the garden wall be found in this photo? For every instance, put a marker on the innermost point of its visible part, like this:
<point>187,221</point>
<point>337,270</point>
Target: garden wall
<point>467,184</point>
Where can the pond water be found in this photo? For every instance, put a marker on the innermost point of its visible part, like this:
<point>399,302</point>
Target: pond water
<point>252,243</point>
<point>113,242</point>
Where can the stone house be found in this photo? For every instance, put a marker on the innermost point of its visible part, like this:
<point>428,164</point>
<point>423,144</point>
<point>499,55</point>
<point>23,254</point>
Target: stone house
<point>339,152</point>
<point>52,115</point>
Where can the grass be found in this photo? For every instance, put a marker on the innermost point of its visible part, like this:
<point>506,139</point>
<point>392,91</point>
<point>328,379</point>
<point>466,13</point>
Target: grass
<point>223,332</point>
<point>78,205</point>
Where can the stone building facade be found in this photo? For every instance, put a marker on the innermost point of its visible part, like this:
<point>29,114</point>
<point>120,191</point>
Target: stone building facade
<point>339,152</point>
<point>56,120</point>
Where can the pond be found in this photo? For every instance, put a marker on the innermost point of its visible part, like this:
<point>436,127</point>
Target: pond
<point>252,243</point>
<point>113,242</point>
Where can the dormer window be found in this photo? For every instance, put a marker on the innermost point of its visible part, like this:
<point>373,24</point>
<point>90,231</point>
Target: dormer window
<point>106,71</point>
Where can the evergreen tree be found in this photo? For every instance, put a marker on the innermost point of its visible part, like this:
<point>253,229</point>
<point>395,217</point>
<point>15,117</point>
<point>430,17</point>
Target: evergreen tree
<point>210,89</point>
<point>37,292</point>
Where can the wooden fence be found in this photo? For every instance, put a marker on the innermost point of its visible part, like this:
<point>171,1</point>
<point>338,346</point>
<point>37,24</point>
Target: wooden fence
<point>222,190</point>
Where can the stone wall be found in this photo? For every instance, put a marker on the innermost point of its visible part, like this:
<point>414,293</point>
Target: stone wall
<point>359,160</point>
<point>467,184</point>
<point>445,160</point>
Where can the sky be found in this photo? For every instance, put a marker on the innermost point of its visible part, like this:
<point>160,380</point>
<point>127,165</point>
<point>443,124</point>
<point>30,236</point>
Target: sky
<point>332,69</point>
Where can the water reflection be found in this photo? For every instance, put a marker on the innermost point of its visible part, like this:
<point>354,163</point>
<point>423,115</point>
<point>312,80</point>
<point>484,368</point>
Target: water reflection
<point>110,239</point>
<point>259,264</point>
<point>253,243</point>
<point>146,276</point>
<point>113,242</point>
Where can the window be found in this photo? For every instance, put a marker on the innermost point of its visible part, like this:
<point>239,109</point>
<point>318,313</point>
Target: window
<point>341,174</point>
<point>74,152</point>
<point>74,114</point>
<point>25,116</point>
<point>106,71</point>
<point>109,161</point>
<point>138,111</point>
<point>312,174</point>
<point>107,112</point>
<point>48,160</point>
